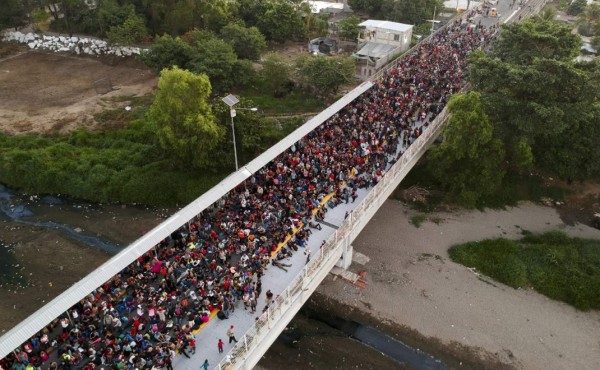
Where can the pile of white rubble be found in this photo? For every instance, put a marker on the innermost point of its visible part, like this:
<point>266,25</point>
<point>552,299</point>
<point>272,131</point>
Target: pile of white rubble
<point>78,45</point>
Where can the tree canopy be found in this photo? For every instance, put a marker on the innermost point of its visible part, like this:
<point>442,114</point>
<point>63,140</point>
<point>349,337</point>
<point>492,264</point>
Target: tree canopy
<point>543,104</point>
<point>468,163</point>
<point>325,75</point>
<point>521,43</point>
<point>247,42</point>
<point>349,28</point>
<point>281,22</point>
<point>404,11</point>
<point>186,128</point>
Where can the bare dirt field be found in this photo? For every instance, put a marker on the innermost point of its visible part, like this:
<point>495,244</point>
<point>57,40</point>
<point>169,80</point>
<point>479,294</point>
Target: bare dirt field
<point>413,284</point>
<point>51,92</point>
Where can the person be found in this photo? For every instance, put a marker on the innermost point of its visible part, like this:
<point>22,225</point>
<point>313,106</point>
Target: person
<point>219,346</point>
<point>231,335</point>
<point>192,344</point>
<point>307,253</point>
<point>168,363</point>
<point>205,365</point>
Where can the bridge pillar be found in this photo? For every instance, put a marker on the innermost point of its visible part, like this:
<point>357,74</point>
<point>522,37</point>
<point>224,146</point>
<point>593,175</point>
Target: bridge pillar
<point>346,259</point>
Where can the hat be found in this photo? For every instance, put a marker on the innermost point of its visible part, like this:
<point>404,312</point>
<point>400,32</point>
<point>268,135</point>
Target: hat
<point>232,326</point>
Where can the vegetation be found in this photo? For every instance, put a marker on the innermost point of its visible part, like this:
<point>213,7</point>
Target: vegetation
<point>185,126</point>
<point>562,268</point>
<point>532,105</point>
<point>247,42</point>
<point>349,27</point>
<point>537,96</point>
<point>589,20</point>
<point>418,219</point>
<point>474,159</point>
<point>403,11</point>
<point>115,165</point>
<point>324,76</point>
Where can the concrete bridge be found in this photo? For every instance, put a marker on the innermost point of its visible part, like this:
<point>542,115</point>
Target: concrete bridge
<point>330,246</point>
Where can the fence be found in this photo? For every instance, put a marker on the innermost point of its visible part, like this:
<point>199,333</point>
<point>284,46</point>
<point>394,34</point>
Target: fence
<point>277,316</point>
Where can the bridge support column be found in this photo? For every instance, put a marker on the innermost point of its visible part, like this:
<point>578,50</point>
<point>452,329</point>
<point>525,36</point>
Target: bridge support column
<point>346,259</point>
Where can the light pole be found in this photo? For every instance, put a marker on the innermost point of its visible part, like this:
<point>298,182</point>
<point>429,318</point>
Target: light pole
<point>231,100</point>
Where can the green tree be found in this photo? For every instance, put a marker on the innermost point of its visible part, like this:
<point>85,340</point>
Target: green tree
<point>167,52</point>
<point>538,97</point>
<point>468,163</point>
<point>349,28</point>
<point>186,128</point>
<point>131,31</point>
<point>247,42</point>
<point>253,134</point>
<point>12,14</point>
<point>548,14</point>
<point>325,75</point>
<point>577,7</point>
<point>409,11</point>
<point>371,7</point>
<point>281,22</point>
<point>521,43</point>
<point>111,14</point>
<point>589,20</point>
<point>277,75</point>
<point>596,43</point>
<point>216,59</point>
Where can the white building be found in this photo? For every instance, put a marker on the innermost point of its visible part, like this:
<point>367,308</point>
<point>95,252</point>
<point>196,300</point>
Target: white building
<point>378,43</point>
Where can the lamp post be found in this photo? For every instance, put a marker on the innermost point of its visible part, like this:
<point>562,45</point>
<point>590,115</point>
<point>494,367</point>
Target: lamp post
<point>231,100</point>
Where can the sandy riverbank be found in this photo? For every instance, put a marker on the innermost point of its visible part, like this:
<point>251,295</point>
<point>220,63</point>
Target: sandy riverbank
<point>412,282</point>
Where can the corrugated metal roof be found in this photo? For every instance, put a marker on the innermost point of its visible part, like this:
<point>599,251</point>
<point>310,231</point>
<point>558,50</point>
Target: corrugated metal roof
<point>376,50</point>
<point>387,25</point>
<point>42,317</point>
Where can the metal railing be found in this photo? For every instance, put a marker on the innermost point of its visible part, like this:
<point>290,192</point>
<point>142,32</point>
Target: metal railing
<point>308,279</point>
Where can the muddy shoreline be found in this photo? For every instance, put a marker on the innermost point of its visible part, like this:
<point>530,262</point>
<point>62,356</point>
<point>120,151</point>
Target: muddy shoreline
<point>453,355</point>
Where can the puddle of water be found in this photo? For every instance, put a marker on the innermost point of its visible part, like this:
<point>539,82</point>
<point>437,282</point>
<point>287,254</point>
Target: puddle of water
<point>13,208</point>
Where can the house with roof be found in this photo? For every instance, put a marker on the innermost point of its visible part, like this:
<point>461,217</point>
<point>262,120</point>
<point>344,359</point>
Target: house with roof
<point>378,42</point>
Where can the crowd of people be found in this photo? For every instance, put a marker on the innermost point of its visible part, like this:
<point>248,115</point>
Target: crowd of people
<point>143,316</point>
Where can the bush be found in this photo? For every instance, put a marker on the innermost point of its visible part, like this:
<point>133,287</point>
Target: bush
<point>121,165</point>
<point>562,268</point>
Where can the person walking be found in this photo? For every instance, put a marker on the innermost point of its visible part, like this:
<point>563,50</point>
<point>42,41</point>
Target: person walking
<point>205,365</point>
<point>231,335</point>
<point>219,346</point>
<point>169,363</point>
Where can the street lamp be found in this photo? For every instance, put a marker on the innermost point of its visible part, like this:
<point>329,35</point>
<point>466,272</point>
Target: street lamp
<point>231,100</point>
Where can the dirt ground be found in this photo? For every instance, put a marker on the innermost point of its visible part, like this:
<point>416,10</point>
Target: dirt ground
<point>50,262</point>
<point>413,285</point>
<point>581,204</point>
<point>42,92</point>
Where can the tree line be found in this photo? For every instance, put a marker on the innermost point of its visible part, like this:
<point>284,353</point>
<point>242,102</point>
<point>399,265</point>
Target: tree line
<point>130,21</point>
<point>532,105</point>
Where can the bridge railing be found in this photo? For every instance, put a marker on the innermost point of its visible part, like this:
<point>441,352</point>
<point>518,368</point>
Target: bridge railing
<point>311,275</point>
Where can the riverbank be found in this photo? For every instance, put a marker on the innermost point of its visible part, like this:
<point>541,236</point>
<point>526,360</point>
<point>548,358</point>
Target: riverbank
<point>45,262</point>
<point>452,312</point>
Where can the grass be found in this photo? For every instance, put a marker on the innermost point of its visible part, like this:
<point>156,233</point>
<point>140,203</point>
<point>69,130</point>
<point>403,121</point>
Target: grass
<point>123,165</point>
<point>294,103</point>
<point>515,188</point>
<point>562,268</point>
<point>418,219</point>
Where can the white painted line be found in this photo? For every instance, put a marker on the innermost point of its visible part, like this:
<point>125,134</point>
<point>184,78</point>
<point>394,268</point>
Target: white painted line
<point>510,16</point>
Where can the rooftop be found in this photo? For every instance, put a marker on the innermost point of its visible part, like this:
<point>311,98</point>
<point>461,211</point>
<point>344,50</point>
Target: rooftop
<point>400,27</point>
